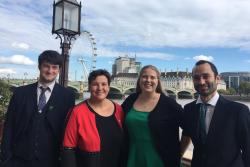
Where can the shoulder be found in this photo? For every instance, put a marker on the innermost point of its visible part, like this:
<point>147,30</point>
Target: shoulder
<point>128,102</point>
<point>131,97</point>
<point>64,90</point>
<point>79,109</point>
<point>118,110</point>
<point>61,88</point>
<point>233,105</point>
<point>80,106</point>
<point>25,89</point>
<point>167,101</point>
<point>190,105</point>
<point>117,106</point>
<point>230,104</point>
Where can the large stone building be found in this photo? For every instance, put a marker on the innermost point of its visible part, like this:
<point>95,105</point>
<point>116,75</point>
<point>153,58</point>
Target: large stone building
<point>170,80</point>
<point>126,64</point>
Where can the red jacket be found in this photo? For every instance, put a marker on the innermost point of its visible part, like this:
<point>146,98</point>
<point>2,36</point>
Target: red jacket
<point>82,134</point>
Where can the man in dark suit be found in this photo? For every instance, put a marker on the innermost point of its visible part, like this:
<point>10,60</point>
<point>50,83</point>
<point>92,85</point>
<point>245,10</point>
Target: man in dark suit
<point>35,118</point>
<point>219,128</point>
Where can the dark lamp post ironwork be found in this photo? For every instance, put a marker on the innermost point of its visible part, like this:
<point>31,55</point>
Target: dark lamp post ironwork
<point>66,25</point>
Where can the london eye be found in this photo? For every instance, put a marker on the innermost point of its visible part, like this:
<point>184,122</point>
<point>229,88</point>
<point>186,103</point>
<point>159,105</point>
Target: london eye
<point>88,62</point>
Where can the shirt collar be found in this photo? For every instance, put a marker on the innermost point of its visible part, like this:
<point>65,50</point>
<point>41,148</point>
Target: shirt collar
<point>212,101</point>
<point>50,85</point>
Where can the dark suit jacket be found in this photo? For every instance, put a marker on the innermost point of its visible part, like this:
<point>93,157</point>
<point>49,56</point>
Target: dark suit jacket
<point>228,138</point>
<point>22,107</point>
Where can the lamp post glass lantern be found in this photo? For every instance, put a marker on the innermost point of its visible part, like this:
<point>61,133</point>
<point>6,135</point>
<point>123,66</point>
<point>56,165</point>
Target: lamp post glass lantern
<point>66,25</point>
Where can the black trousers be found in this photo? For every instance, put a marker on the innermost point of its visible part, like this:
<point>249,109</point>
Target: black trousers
<point>17,162</point>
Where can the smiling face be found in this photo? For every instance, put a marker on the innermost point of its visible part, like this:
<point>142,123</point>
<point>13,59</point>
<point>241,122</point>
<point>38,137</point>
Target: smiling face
<point>148,80</point>
<point>205,81</point>
<point>48,72</point>
<point>99,88</point>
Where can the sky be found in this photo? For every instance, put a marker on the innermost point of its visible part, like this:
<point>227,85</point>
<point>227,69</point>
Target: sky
<point>170,34</point>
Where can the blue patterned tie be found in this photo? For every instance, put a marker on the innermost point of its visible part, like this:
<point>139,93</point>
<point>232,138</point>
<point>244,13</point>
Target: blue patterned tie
<point>42,99</point>
<point>203,133</point>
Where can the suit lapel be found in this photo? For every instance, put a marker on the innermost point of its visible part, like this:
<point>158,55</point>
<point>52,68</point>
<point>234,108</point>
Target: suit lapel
<point>51,106</point>
<point>196,121</point>
<point>29,107</point>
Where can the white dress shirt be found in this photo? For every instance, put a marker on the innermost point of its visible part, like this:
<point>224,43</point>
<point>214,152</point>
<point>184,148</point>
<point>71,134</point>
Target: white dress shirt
<point>210,109</point>
<point>47,92</point>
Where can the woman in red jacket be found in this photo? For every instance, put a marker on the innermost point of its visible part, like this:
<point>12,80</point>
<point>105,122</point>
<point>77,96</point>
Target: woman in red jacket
<point>93,135</point>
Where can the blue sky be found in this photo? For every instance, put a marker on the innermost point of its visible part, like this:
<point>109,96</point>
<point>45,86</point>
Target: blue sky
<point>171,34</point>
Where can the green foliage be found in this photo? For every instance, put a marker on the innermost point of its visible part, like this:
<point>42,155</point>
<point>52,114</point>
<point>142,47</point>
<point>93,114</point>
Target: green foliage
<point>244,88</point>
<point>5,95</point>
<point>222,91</point>
<point>230,91</point>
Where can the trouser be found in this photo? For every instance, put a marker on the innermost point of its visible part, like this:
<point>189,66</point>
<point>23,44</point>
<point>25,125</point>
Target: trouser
<point>18,162</point>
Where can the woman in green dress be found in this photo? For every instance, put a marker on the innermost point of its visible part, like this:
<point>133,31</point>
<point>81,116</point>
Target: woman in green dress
<point>152,123</point>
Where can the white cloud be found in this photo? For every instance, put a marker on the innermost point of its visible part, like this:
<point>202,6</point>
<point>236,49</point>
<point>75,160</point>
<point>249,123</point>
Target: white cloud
<point>156,55</point>
<point>153,23</point>
<point>169,22</point>
<point>82,47</point>
<point>203,57</point>
<point>33,28</point>
<point>20,45</point>
<point>16,59</point>
<point>122,26</point>
<point>7,71</point>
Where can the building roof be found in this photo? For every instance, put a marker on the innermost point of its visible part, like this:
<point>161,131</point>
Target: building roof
<point>128,75</point>
<point>180,74</point>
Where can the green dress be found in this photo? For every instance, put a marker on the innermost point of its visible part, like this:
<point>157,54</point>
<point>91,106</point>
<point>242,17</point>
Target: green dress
<point>142,152</point>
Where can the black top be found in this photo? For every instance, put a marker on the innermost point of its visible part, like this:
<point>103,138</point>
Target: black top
<point>111,139</point>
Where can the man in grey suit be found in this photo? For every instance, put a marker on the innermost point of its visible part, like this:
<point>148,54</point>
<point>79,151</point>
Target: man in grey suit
<point>35,118</point>
<point>218,128</point>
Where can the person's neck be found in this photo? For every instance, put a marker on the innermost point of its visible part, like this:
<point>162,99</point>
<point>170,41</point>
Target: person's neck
<point>97,103</point>
<point>205,99</point>
<point>45,83</point>
<point>149,95</point>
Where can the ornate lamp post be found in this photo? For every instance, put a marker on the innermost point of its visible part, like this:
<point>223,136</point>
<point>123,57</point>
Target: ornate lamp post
<point>66,24</point>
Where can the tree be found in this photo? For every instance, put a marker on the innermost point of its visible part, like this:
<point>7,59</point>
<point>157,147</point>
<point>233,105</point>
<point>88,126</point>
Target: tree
<point>244,88</point>
<point>222,91</point>
<point>231,91</point>
<point>5,95</point>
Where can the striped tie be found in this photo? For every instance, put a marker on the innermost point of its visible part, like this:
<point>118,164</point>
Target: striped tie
<point>42,99</point>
